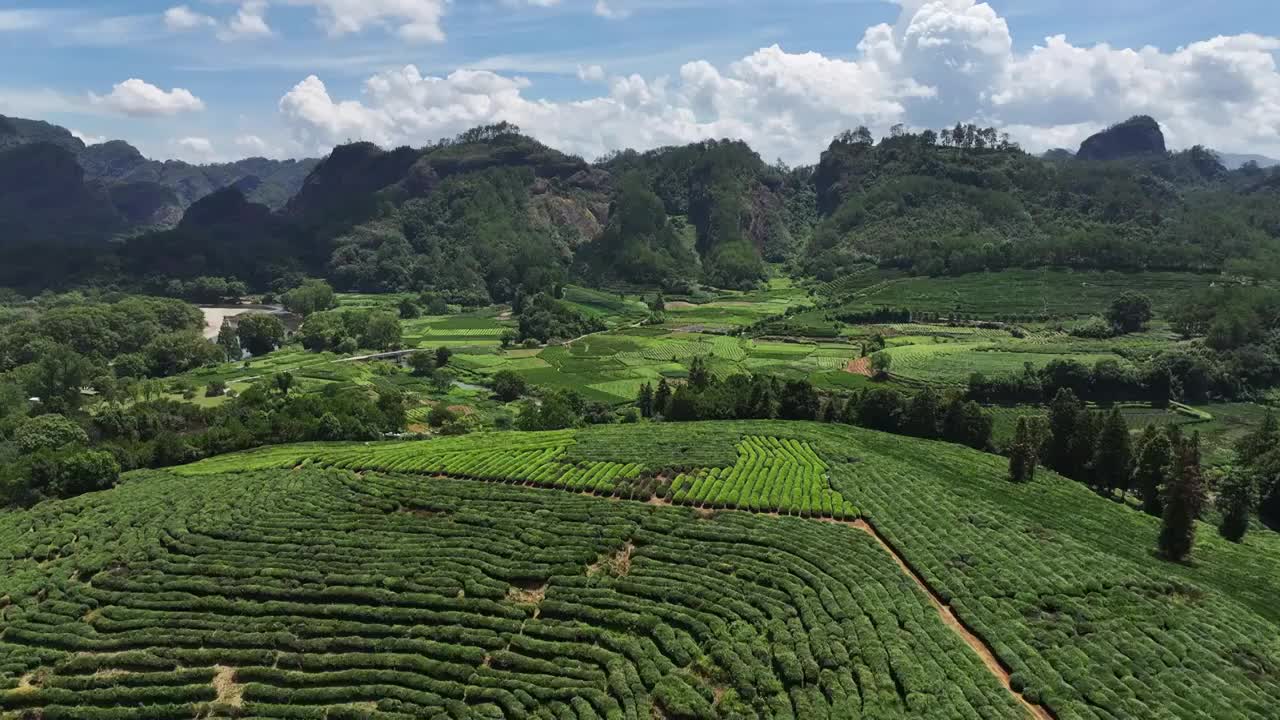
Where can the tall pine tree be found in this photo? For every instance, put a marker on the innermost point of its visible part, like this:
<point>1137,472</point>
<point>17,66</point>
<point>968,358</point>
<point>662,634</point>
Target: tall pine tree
<point>1081,447</point>
<point>662,398</point>
<point>1113,455</point>
<point>923,416</point>
<point>1151,469</point>
<point>1235,501</point>
<point>1024,454</point>
<point>645,400</point>
<point>699,375</point>
<point>1064,413</point>
<point>229,341</point>
<point>1183,497</point>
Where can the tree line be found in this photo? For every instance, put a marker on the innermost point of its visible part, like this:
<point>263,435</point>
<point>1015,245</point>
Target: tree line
<point>60,455</point>
<point>703,396</point>
<point>1162,468</point>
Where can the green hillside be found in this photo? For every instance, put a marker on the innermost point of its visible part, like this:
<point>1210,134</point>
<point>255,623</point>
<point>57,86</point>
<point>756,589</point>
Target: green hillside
<point>679,571</point>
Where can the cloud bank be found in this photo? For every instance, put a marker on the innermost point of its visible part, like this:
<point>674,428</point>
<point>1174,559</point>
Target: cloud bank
<point>943,61</point>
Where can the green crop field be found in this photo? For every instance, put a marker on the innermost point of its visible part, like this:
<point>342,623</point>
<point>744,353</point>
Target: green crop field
<point>682,571</point>
<point>955,363</point>
<point>1024,293</point>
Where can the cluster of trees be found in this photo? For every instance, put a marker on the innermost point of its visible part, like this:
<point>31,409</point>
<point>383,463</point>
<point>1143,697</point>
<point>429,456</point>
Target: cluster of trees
<point>256,334</point>
<point>50,456</point>
<point>702,396</point>
<point>964,200</point>
<point>1105,381</point>
<point>641,244</point>
<point>206,289</point>
<point>560,408</point>
<point>1240,354</point>
<point>1256,476</point>
<point>100,327</point>
<point>1127,314</point>
<point>55,455</point>
<point>1193,375</point>
<point>1162,468</point>
<point>346,331</point>
<point>544,318</point>
<point>311,296</point>
<point>59,350</point>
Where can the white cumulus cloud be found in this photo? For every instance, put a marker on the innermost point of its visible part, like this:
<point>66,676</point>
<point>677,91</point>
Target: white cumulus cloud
<point>87,139</point>
<point>612,9</point>
<point>943,61</point>
<point>196,149</point>
<point>249,21</point>
<point>590,73</point>
<point>139,98</point>
<point>414,20</point>
<point>182,17</point>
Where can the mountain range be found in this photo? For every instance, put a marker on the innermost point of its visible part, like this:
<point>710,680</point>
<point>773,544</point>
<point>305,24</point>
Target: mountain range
<point>153,193</point>
<point>478,217</point>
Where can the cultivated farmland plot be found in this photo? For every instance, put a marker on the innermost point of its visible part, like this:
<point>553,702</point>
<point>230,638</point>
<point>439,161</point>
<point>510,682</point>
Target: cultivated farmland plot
<point>428,579</point>
<point>1025,294</point>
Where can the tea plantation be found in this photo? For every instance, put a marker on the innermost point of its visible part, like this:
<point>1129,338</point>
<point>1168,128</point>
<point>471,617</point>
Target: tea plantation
<point>703,570</point>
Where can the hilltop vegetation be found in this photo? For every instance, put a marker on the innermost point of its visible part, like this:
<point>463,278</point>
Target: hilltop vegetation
<point>964,202</point>
<point>477,216</point>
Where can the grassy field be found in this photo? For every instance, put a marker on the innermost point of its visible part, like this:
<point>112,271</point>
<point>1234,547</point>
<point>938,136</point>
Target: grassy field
<point>397,580</point>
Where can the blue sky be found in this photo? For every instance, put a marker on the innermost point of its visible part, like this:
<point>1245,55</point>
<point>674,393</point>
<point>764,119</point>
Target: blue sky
<point>589,76</point>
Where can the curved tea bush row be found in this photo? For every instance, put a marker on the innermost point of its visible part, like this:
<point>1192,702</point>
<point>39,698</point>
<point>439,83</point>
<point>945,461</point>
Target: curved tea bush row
<point>1062,585</point>
<point>1066,590</point>
<point>324,594</point>
<point>771,474</point>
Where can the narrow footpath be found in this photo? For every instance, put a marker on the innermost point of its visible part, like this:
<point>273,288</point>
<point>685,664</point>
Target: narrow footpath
<point>949,618</point>
<point>945,612</point>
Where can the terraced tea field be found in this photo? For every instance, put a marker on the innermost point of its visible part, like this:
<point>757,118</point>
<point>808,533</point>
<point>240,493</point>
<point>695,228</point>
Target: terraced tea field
<point>1023,294</point>
<point>555,575</point>
<point>955,363</point>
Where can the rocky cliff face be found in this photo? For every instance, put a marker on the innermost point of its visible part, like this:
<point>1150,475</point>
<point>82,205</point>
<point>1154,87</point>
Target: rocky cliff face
<point>1135,137</point>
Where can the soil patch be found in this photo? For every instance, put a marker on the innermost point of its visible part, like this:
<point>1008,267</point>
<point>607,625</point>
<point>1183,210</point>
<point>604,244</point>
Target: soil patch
<point>527,594</point>
<point>617,564</point>
<point>224,682</point>
<point>860,366</point>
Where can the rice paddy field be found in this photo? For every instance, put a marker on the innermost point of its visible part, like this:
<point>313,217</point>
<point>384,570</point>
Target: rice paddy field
<point>707,570</point>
